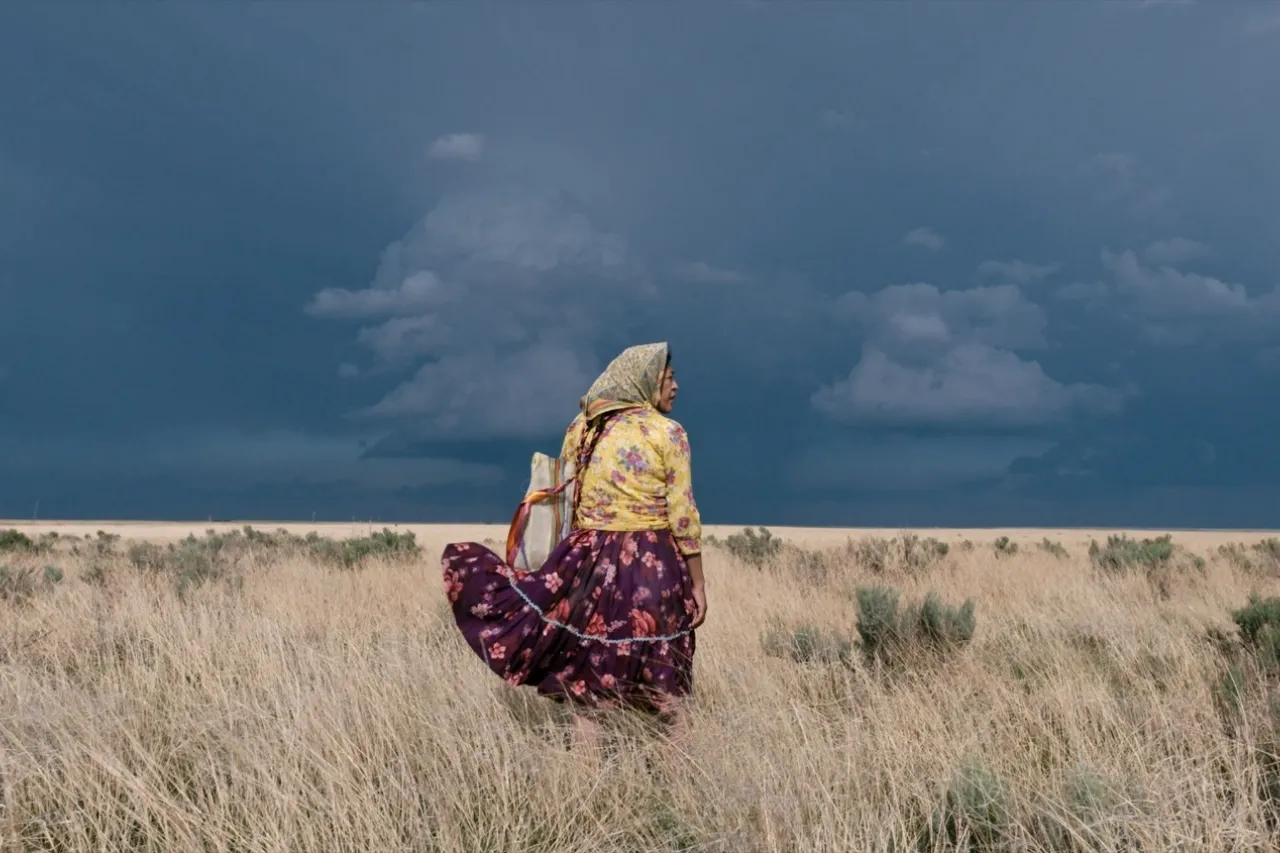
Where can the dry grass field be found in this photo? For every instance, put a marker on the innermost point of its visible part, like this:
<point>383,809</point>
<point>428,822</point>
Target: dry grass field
<point>278,693</point>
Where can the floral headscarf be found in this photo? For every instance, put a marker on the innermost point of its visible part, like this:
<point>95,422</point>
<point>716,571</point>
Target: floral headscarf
<point>632,379</point>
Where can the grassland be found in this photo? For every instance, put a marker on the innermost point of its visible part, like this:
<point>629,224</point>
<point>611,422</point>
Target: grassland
<point>279,692</point>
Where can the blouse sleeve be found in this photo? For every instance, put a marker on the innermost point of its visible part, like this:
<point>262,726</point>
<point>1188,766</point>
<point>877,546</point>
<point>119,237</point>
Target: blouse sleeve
<point>569,449</point>
<point>682,511</point>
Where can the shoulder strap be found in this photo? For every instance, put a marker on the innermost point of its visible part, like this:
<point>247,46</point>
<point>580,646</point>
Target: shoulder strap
<point>586,449</point>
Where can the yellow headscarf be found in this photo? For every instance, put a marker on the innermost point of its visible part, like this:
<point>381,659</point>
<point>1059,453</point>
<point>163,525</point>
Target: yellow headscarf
<point>632,379</point>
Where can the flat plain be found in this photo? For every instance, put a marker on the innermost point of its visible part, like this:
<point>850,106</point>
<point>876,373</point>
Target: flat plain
<point>274,692</point>
<point>433,536</point>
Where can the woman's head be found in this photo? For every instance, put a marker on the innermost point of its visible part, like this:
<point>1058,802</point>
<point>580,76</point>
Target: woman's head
<point>665,398</point>
<point>640,375</point>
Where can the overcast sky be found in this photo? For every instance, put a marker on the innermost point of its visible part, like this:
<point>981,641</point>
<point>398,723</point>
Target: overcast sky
<point>920,263</point>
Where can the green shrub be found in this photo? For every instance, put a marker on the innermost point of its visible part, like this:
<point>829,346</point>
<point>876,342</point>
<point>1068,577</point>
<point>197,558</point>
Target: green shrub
<point>1261,558</point>
<point>880,625</point>
<point>101,545</point>
<point>15,540</point>
<point>196,561</point>
<point>976,812</point>
<point>943,626</point>
<point>891,635</point>
<point>753,547</point>
<point>808,644</point>
<point>350,553</point>
<point>193,561</point>
<point>1004,547</point>
<point>1158,559</point>
<point>147,555</point>
<point>1259,624</point>
<point>1054,548</point>
<point>1122,553</point>
<point>280,539</point>
<point>906,551</point>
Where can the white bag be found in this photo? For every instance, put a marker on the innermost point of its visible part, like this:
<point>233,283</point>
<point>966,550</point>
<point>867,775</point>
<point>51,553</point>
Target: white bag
<point>545,516</point>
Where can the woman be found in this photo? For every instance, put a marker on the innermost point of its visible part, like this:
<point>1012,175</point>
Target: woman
<point>608,621</point>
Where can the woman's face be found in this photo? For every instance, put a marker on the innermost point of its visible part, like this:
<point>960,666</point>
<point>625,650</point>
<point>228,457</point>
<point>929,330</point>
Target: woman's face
<point>667,390</point>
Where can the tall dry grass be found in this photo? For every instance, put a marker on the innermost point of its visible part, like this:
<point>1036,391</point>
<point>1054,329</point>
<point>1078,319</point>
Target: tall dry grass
<point>292,706</point>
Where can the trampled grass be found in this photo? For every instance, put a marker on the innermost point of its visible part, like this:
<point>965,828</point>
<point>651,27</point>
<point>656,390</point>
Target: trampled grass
<point>280,695</point>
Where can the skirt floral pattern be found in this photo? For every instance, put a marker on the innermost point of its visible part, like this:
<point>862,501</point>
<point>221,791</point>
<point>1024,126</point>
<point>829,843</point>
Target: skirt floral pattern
<point>604,623</point>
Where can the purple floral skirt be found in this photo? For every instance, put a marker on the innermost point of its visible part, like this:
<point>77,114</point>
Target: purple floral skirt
<point>604,623</point>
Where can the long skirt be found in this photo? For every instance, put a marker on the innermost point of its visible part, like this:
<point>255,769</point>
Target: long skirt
<point>605,623</point>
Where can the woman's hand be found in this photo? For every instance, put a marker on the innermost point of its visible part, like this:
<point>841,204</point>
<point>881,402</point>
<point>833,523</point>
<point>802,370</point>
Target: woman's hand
<point>699,605</point>
<point>694,561</point>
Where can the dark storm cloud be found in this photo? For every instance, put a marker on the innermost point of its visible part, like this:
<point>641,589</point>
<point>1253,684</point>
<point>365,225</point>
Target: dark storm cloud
<point>965,262</point>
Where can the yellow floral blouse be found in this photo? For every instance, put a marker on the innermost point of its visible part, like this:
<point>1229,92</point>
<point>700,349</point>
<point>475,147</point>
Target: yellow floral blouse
<point>639,478</point>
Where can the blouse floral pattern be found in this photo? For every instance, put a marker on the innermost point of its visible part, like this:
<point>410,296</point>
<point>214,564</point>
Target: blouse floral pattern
<point>640,478</point>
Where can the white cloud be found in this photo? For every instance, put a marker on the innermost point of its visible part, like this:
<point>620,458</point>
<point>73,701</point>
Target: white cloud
<point>925,238</point>
<point>1174,251</point>
<point>971,383</point>
<point>1168,293</point>
<point>1178,308</point>
<point>506,293</point>
<point>699,272</point>
<point>1175,308</point>
<point>1015,272</point>
<point>346,370</point>
<point>522,394</point>
<point>935,356</point>
<point>402,339</point>
<point>419,292</point>
<point>911,314</point>
<point>458,146</point>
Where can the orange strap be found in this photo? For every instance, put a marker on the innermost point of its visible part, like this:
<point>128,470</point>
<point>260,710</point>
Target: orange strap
<point>520,521</point>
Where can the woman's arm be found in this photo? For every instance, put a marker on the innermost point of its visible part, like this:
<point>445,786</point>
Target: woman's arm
<point>699,589</point>
<point>682,510</point>
<point>682,514</point>
<point>695,569</point>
